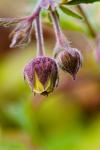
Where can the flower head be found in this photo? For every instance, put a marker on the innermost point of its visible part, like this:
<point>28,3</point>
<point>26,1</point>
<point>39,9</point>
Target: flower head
<point>21,34</point>
<point>42,75</point>
<point>69,60</point>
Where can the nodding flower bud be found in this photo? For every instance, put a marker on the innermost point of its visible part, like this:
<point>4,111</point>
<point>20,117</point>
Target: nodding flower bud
<point>21,34</point>
<point>69,60</point>
<point>42,75</point>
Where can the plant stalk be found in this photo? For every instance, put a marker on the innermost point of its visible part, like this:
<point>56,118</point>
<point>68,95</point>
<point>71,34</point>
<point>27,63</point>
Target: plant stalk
<point>39,37</point>
<point>60,37</point>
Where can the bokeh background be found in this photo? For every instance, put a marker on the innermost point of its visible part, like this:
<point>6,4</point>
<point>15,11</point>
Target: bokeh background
<point>69,118</point>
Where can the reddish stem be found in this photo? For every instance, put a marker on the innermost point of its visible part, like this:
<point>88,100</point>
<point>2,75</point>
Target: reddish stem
<point>39,37</point>
<point>60,37</point>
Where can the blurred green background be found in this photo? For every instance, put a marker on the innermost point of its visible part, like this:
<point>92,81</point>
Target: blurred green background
<point>69,118</point>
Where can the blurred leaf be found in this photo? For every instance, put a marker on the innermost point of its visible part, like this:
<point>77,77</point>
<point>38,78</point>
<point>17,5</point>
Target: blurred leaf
<point>70,12</point>
<point>71,23</point>
<point>12,145</point>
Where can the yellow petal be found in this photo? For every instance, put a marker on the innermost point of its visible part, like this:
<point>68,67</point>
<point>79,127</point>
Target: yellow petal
<point>38,86</point>
<point>49,85</point>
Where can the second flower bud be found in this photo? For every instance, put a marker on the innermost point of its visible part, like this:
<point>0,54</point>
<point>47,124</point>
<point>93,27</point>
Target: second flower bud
<point>69,60</point>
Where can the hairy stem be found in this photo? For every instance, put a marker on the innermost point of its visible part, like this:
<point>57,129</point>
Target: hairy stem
<point>89,25</point>
<point>39,37</point>
<point>60,37</point>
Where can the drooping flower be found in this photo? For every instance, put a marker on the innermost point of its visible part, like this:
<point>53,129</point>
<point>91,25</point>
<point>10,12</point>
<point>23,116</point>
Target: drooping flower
<point>21,35</point>
<point>42,75</point>
<point>69,60</point>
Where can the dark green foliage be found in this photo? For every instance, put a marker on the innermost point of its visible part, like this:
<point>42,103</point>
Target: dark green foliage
<point>70,12</point>
<point>74,2</point>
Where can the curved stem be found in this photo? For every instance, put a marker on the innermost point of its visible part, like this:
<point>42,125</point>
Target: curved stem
<point>60,37</point>
<point>57,28</point>
<point>39,37</point>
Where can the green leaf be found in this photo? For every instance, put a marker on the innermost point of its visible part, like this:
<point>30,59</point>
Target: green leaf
<point>70,12</point>
<point>74,2</point>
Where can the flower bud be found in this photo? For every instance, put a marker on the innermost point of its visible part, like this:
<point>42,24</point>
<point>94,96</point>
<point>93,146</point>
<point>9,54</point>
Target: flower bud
<point>69,60</point>
<point>21,34</point>
<point>42,75</point>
